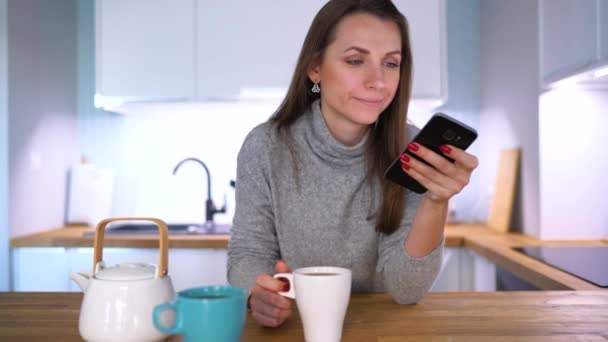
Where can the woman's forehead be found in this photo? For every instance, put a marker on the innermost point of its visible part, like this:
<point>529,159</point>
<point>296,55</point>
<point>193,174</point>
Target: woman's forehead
<point>368,32</point>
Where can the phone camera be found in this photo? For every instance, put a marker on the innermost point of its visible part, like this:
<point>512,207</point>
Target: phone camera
<point>449,135</point>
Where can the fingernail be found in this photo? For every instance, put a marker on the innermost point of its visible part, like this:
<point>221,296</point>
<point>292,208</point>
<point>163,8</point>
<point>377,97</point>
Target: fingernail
<point>286,287</point>
<point>413,146</point>
<point>405,158</point>
<point>405,167</point>
<point>445,149</point>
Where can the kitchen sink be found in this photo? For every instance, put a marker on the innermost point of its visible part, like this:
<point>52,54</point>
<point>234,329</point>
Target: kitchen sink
<point>173,229</point>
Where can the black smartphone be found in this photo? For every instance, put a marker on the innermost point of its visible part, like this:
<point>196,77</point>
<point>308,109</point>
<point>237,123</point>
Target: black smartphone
<point>439,130</point>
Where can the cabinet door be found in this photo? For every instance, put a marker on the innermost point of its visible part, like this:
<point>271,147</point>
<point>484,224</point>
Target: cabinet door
<point>568,37</point>
<point>250,44</point>
<point>449,277</point>
<point>40,269</point>
<point>427,24</point>
<point>198,267</point>
<point>145,49</point>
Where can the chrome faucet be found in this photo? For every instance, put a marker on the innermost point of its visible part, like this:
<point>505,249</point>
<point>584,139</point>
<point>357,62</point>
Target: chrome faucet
<point>210,208</point>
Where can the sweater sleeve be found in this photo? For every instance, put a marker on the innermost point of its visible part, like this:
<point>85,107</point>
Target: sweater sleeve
<point>253,247</point>
<point>407,278</point>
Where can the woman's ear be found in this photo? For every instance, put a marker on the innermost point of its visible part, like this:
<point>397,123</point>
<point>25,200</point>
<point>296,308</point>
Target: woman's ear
<point>314,72</point>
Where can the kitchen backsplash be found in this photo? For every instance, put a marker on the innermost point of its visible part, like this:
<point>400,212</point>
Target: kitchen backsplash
<point>573,164</point>
<point>144,146</point>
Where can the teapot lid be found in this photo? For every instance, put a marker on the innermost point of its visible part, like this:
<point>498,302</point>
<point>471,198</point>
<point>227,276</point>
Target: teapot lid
<point>127,271</point>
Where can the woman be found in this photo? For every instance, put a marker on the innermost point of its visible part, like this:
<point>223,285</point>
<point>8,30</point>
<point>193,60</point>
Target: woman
<point>310,187</point>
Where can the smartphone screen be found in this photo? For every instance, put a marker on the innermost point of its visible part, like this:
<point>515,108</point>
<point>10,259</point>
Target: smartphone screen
<point>439,130</point>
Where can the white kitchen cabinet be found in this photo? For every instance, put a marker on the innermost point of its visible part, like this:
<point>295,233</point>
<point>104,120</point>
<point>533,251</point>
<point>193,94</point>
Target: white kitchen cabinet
<point>145,49</point>
<point>569,36</point>
<point>449,278</point>
<point>198,267</point>
<point>43,269</point>
<point>427,24</point>
<point>198,50</point>
<point>48,269</point>
<point>464,270</point>
<point>250,45</point>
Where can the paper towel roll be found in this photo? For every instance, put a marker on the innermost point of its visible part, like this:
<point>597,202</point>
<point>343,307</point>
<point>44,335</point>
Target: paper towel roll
<point>90,194</point>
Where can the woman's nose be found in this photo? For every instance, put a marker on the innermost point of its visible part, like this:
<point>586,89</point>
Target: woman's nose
<point>375,78</point>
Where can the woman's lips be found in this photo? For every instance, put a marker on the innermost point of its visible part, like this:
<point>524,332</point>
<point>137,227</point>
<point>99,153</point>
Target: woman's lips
<point>370,102</point>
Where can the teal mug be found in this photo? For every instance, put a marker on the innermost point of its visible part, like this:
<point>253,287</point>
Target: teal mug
<point>211,313</point>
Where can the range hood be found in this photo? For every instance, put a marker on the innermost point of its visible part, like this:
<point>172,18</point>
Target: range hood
<point>122,105</point>
<point>594,76</point>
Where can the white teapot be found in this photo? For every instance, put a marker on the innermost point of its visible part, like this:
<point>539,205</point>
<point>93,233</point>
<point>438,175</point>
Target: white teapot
<point>119,300</point>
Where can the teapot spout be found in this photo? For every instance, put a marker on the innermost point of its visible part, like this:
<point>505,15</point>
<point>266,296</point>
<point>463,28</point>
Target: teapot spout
<point>82,279</point>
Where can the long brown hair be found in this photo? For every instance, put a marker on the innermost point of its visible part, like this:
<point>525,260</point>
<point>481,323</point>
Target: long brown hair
<point>388,135</point>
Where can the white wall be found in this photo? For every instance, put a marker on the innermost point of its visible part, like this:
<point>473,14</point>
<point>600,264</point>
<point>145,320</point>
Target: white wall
<point>509,100</point>
<point>4,233</point>
<point>43,137</point>
<point>573,164</point>
<point>463,96</point>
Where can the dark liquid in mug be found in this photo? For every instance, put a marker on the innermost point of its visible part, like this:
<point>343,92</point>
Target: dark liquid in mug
<point>320,274</point>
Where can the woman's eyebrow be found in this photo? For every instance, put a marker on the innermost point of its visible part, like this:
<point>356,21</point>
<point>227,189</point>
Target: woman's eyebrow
<point>365,51</point>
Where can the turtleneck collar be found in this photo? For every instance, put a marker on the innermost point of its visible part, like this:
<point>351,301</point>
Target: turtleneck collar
<point>326,146</point>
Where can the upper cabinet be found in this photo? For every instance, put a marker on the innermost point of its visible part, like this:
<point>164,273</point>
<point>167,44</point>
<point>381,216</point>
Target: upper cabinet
<point>198,50</point>
<point>573,37</point>
<point>145,49</point>
<point>247,47</point>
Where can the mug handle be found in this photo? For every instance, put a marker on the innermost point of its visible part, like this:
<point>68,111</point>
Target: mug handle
<point>292,291</point>
<point>175,329</point>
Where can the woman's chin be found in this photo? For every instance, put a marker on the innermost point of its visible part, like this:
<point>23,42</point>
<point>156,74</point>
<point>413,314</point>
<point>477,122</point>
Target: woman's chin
<point>366,117</point>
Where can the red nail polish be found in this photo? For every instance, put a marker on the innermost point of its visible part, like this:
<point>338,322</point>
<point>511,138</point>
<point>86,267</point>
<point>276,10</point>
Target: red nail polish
<point>405,158</point>
<point>286,287</point>
<point>413,146</point>
<point>445,149</point>
<point>405,167</point>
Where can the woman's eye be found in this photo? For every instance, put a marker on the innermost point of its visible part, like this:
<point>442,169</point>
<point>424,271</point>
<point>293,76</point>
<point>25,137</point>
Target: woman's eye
<point>392,64</point>
<point>354,61</point>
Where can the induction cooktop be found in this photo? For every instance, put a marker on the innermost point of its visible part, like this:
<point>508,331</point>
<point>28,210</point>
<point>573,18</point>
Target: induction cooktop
<point>589,263</point>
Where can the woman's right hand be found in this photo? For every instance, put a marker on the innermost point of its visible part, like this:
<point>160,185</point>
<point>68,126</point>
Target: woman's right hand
<point>269,308</point>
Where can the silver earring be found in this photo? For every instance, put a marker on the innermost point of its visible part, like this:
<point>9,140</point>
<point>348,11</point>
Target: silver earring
<point>315,88</point>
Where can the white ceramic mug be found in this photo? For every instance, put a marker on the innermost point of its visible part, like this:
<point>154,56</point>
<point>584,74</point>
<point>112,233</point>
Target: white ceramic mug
<point>322,295</point>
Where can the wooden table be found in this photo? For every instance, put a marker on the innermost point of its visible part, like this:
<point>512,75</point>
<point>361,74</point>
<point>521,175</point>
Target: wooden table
<point>490,316</point>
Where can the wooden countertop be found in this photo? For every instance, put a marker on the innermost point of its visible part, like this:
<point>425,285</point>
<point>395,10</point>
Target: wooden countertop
<point>73,236</point>
<point>478,238</point>
<point>478,316</point>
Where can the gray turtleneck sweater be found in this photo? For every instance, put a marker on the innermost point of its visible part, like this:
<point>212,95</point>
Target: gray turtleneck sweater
<point>319,213</point>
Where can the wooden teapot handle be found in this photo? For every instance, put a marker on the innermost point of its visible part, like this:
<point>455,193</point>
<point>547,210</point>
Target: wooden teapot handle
<point>163,241</point>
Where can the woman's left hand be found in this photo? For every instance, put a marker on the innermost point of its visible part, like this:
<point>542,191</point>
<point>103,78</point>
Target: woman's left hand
<point>446,179</point>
